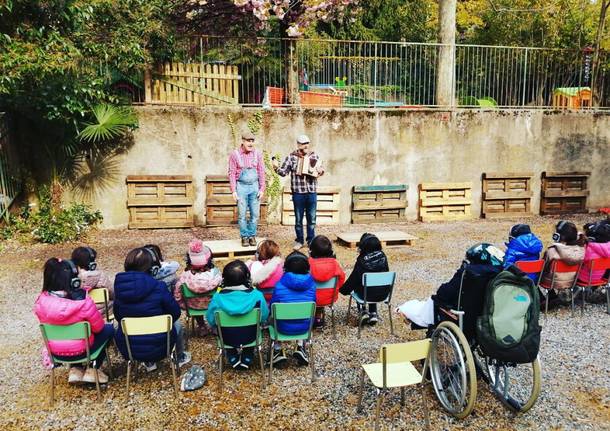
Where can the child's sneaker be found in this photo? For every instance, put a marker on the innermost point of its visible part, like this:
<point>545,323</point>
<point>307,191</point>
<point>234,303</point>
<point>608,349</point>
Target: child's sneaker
<point>279,356</point>
<point>150,366</point>
<point>184,358</point>
<point>89,376</point>
<point>373,319</point>
<point>318,322</point>
<point>364,319</point>
<point>246,361</point>
<point>234,361</point>
<point>301,356</point>
<point>75,375</point>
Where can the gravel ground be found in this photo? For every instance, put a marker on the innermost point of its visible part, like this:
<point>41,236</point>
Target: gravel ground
<point>574,352</point>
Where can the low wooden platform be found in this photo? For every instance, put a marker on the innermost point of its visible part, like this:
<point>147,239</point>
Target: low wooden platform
<point>390,238</point>
<point>231,249</point>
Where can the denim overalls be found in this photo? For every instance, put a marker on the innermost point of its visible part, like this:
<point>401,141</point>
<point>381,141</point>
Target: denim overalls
<point>247,197</point>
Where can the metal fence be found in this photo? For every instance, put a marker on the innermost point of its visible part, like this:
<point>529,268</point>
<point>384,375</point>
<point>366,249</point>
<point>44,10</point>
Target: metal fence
<point>10,183</point>
<point>280,72</point>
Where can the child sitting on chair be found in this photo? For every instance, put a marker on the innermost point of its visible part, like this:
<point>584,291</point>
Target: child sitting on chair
<point>371,258</point>
<point>267,267</point>
<point>598,247</point>
<point>139,294</point>
<point>324,266</point>
<point>237,297</point>
<point>481,265</point>
<point>200,276</point>
<point>569,248</point>
<point>296,285</point>
<point>167,271</point>
<point>522,245</point>
<point>90,276</point>
<point>62,302</point>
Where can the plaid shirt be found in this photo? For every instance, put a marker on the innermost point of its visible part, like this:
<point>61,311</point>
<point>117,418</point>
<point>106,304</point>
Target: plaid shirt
<point>252,159</point>
<point>298,183</point>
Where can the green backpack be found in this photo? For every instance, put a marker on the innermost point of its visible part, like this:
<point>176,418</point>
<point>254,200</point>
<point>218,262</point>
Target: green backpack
<point>508,328</point>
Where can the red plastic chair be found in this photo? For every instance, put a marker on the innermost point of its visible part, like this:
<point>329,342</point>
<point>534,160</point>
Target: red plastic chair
<point>600,264</point>
<point>531,266</point>
<point>557,267</point>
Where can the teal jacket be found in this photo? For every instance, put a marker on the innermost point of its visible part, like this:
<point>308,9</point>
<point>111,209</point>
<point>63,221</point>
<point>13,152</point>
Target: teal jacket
<point>237,300</point>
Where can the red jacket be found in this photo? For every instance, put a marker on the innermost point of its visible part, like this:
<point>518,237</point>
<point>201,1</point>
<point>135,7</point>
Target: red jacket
<point>323,269</point>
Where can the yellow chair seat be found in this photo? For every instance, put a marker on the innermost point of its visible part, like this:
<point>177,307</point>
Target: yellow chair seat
<point>397,374</point>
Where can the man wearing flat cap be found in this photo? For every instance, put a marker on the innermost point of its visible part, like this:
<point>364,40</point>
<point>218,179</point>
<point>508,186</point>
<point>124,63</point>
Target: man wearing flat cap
<point>303,183</point>
<point>247,182</point>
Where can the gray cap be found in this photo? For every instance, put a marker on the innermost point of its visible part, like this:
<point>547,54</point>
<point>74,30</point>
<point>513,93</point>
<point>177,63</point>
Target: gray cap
<point>303,139</point>
<point>246,134</point>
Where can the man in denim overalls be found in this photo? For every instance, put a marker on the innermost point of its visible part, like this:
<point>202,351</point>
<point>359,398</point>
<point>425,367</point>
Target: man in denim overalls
<point>247,181</point>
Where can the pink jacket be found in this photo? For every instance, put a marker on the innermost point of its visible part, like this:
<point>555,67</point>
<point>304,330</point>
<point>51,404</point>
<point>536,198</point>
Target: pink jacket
<point>593,250</point>
<point>53,310</point>
<point>265,274</point>
<point>200,282</point>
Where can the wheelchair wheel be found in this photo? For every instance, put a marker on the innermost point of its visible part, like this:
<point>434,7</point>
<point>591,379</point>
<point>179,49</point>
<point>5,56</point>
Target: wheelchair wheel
<point>452,370</point>
<point>516,385</point>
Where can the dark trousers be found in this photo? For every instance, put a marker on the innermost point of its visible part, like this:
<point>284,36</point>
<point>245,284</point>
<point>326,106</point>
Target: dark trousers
<point>98,339</point>
<point>305,204</point>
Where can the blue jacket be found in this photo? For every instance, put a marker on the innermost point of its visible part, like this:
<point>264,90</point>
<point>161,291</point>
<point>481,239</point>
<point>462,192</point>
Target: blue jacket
<point>524,247</point>
<point>237,300</point>
<point>294,288</point>
<point>137,294</point>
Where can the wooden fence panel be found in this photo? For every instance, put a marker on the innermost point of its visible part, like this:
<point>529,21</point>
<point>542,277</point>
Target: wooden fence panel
<point>564,193</point>
<point>379,204</point>
<point>506,195</point>
<point>160,201</point>
<point>221,209</point>
<point>327,210</point>
<point>445,201</point>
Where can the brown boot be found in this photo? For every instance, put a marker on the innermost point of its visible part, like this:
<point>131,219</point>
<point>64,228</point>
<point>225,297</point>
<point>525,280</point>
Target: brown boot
<point>244,242</point>
<point>252,241</point>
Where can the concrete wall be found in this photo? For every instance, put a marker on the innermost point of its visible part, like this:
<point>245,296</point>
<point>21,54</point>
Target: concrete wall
<point>373,147</point>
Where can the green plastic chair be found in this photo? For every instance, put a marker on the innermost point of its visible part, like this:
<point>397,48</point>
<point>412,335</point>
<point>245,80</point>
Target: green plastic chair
<point>188,294</point>
<point>224,320</point>
<point>75,331</point>
<point>292,311</point>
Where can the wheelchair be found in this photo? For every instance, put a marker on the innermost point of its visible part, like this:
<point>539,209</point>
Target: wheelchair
<point>456,360</point>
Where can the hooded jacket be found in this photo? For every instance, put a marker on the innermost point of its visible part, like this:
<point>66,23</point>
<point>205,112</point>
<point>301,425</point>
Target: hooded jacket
<point>594,250</point>
<point>199,282</point>
<point>470,298</point>
<point>235,301</point>
<point>294,288</point>
<point>323,269</point>
<point>265,274</point>
<point>137,294</point>
<point>570,255</point>
<point>524,247</point>
<point>53,310</point>
<point>375,261</point>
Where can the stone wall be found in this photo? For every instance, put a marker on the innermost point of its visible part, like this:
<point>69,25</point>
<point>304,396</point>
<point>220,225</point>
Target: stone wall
<point>373,147</point>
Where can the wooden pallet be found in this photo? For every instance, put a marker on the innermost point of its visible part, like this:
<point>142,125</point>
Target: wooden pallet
<point>221,209</point>
<point>445,201</point>
<point>564,193</point>
<point>379,204</point>
<point>229,249</point>
<point>506,195</point>
<point>160,201</point>
<point>327,210</point>
<point>392,238</point>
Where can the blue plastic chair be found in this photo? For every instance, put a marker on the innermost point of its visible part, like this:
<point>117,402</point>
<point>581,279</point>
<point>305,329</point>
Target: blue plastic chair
<point>328,285</point>
<point>380,280</point>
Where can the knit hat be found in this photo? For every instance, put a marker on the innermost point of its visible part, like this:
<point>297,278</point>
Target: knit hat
<point>199,254</point>
<point>518,230</point>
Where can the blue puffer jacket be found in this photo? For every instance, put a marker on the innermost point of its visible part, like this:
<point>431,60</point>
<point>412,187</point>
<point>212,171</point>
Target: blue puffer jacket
<point>137,294</point>
<point>294,288</point>
<point>524,247</point>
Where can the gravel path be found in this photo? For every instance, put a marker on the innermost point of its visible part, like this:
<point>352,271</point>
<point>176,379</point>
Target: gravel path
<point>574,352</point>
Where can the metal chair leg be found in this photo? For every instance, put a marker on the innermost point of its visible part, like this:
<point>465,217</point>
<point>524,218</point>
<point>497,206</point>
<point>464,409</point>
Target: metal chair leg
<point>378,408</point>
<point>349,307</point>
<point>608,298</point>
<point>332,320</point>
<point>391,323</point>
<point>360,314</point>
<point>402,396</point>
<point>546,305</point>
<point>262,365</point>
<point>220,369</point>
<point>582,309</point>
<point>128,375</point>
<point>97,383</point>
<point>361,390</point>
<point>270,359</point>
<point>52,378</point>
<point>572,297</point>
<point>426,413</point>
<point>313,371</point>
<point>173,363</point>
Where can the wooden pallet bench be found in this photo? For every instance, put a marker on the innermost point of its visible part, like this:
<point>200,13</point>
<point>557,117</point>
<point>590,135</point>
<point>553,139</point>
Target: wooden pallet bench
<point>221,209</point>
<point>445,201</point>
<point>160,201</point>
<point>379,204</point>
<point>506,195</point>
<point>230,249</point>
<point>564,193</point>
<point>327,210</point>
<point>392,238</point>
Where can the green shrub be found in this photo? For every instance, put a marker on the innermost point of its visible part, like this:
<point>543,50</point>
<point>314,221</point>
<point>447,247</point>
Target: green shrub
<point>51,225</point>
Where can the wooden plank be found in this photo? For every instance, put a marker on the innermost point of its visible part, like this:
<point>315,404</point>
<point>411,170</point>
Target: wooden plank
<point>565,193</point>
<point>431,202</point>
<point>353,238</point>
<point>235,85</point>
<point>378,216</point>
<point>507,195</point>
<point>565,174</point>
<point>165,202</point>
<point>444,186</point>
<point>322,218</point>
<point>157,178</point>
<point>501,175</point>
<point>231,249</point>
<point>375,189</point>
<point>507,215</point>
